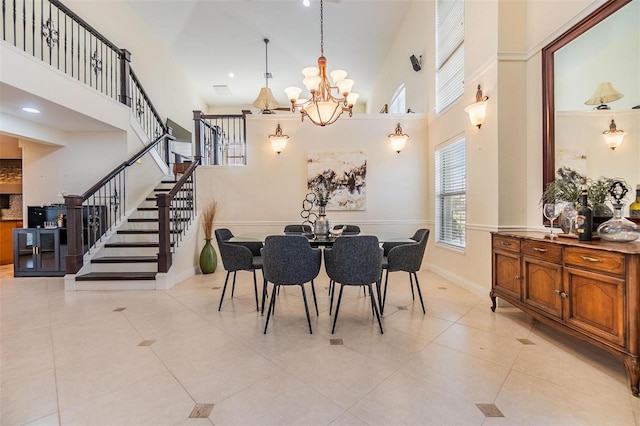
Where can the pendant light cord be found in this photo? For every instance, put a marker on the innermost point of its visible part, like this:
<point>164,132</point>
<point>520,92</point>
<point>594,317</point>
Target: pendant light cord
<point>266,63</point>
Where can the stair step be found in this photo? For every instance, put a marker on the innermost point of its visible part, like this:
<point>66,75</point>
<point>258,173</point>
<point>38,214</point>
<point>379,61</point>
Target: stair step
<point>139,231</point>
<point>162,189</point>
<point>144,231</point>
<point>125,259</point>
<point>117,276</point>
<point>155,209</point>
<point>153,219</point>
<point>132,245</point>
<point>174,199</point>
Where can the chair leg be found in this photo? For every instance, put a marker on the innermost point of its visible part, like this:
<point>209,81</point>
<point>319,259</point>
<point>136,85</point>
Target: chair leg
<point>233,287</point>
<point>255,289</point>
<point>375,309</point>
<point>413,297</point>
<point>419,291</point>
<point>224,288</point>
<point>315,301</point>
<point>306,307</point>
<point>264,295</point>
<point>333,285</point>
<point>384,296</point>
<point>271,303</point>
<point>335,318</point>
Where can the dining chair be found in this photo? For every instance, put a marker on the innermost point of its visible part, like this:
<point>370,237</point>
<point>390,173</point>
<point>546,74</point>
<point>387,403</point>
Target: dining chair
<point>354,261</point>
<point>238,257</point>
<point>289,260</point>
<point>405,257</point>
<point>297,229</point>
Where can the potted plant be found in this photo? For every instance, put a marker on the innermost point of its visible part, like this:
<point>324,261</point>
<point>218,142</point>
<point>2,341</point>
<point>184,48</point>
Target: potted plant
<point>208,256</point>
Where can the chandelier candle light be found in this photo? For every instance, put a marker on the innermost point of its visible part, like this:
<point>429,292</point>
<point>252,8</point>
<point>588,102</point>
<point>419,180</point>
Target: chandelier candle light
<point>324,107</point>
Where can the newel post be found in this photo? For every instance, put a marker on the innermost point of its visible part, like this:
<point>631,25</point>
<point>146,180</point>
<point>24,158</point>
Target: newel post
<point>125,69</point>
<point>75,252</point>
<point>164,232</point>
<point>198,134</point>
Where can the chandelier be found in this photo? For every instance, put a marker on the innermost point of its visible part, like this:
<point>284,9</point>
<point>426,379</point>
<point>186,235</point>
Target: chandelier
<point>327,102</point>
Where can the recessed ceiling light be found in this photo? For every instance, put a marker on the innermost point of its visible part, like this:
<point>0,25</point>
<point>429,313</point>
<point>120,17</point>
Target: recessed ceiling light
<point>306,3</point>
<point>231,75</point>
<point>31,110</point>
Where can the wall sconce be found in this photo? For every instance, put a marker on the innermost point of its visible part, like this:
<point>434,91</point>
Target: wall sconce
<point>278,141</point>
<point>398,139</point>
<point>604,93</point>
<point>613,137</point>
<point>478,110</point>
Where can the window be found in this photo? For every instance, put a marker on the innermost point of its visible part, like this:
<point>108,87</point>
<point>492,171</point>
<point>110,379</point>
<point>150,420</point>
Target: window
<point>449,52</point>
<point>398,101</point>
<point>451,196</point>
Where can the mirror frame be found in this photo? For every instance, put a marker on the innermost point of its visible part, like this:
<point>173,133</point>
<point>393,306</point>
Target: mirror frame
<point>548,87</point>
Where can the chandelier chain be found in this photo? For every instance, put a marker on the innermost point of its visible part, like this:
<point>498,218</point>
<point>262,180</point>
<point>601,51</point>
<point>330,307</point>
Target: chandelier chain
<point>321,29</point>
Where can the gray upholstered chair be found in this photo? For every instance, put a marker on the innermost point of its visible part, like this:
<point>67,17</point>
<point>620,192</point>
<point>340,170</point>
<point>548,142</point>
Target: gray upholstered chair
<point>405,257</point>
<point>297,229</point>
<point>238,257</point>
<point>289,260</point>
<point>354,261</point>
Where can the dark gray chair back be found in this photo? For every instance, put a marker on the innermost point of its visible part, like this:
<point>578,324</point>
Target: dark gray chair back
<point>290,260</point>
<point>354,260</point>
<point>408,257</point>
<point>235,257</point>
<point>297,229</point>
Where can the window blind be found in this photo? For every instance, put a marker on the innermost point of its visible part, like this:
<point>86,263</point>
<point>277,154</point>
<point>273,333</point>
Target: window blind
<point>451,197</point>
<point>449,52</point>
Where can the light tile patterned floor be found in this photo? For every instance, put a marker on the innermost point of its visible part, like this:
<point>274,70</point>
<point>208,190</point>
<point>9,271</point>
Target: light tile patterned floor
<point>154,358</point>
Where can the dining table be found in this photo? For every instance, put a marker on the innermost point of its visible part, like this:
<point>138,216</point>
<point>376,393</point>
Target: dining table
<point>318,241</point>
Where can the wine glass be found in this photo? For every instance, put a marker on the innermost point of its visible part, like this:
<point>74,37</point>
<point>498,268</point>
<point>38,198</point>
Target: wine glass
<point>551,211</point>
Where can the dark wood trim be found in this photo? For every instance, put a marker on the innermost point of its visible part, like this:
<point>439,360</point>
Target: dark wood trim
<point>125,69</point>
<point>548,101</point>
<point>75,253</point>
<point>164,226</point>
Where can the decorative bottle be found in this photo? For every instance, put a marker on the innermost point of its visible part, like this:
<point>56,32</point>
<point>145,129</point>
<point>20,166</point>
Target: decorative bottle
<point>584,220</point>
<point>618,228</point>
<point>634,208</point>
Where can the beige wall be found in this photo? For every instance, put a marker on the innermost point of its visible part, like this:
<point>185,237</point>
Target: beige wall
<point>267,193</point>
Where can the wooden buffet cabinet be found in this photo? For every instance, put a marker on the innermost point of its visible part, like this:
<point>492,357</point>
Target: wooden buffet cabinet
<point>587,289</point>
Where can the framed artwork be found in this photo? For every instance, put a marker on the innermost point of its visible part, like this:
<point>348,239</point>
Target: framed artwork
<point>338,179</point>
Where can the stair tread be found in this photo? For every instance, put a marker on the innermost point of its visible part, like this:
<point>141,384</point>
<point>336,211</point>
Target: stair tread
<point>125,259</point>
<point>116,276</point>
<point>130,244</point>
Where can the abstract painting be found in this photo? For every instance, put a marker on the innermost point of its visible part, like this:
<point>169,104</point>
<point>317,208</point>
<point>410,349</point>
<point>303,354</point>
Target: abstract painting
<point>341,176</point>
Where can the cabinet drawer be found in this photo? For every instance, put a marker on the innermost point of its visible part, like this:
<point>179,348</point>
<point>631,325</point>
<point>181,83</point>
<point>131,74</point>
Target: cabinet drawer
<point>502,242</point>
<point>547,251</point>
<point>595,260</point>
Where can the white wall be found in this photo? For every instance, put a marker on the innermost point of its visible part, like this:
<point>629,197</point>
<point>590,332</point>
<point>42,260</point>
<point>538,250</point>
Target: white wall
<point>267,193</point>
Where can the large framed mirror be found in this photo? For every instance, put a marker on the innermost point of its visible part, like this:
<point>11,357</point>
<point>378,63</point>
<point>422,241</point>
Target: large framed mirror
<point>606,45</point>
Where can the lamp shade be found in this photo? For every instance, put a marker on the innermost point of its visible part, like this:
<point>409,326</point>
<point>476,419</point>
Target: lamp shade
<point>477,112</point>
<point>265,100</point>
<point>398,139</point>
<point>613,137</point>
<point>278,140</point>
<point>604,93</point>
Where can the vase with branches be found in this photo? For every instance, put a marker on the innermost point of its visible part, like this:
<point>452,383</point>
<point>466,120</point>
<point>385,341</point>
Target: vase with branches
<point>208,256</point>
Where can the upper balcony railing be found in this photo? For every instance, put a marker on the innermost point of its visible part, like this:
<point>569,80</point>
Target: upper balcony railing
<point>51,32</point>
<point>221,139</point>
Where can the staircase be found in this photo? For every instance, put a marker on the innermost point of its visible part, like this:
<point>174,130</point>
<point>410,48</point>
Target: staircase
<point>128,260</point>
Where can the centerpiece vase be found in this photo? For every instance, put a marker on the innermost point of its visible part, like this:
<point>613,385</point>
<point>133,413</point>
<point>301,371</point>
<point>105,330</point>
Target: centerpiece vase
<point>321,226</point>
<point>208,258</point>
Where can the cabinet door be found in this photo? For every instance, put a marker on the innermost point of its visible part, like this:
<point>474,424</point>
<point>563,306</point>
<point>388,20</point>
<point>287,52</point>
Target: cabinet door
<point>48,253</point>
<point>24,250</point>
<point>506,274</point>
<point>543,285</point>
<point>595,303</point>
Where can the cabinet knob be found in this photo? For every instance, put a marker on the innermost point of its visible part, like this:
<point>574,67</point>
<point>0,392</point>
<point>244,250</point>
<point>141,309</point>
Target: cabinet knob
<point>563,294</point>
<point>591,259</point>
<point>557,292</point>
<point>518,277</point>
<point>540,250</point>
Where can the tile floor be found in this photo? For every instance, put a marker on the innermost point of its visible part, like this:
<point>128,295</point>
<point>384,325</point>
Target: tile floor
<point>154,358</point>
